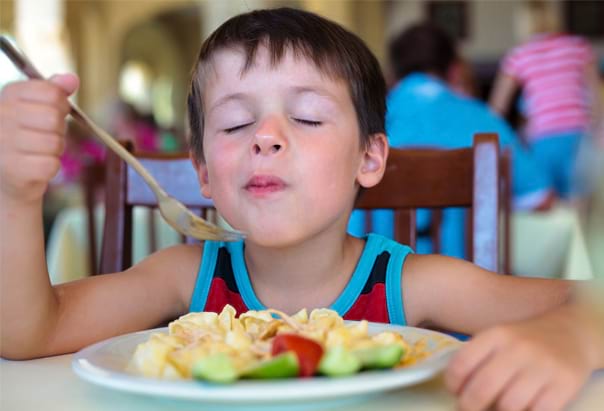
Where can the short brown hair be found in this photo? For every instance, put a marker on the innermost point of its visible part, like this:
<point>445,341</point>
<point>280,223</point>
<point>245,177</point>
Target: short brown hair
<point>334,50</point>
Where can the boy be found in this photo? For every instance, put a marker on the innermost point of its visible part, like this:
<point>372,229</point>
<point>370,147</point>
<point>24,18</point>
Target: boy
<point>286,112</point>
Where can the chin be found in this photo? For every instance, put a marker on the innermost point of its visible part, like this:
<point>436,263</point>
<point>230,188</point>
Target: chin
<point>275,238</point>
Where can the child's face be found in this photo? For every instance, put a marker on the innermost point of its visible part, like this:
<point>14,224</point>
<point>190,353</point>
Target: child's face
<point>282,150</point>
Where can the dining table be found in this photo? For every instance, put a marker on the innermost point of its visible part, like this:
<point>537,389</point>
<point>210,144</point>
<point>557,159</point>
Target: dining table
<point>50,384</point>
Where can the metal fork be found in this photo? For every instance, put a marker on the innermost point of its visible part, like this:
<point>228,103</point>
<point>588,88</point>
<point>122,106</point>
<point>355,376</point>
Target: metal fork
<point>173,211</point>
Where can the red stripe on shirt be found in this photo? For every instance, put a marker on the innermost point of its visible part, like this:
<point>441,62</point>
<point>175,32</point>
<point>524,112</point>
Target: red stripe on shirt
<point>371,306</point>
<point>220,295</point>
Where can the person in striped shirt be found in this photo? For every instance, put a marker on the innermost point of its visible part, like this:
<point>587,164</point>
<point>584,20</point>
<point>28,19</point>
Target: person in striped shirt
<point>558,76</point>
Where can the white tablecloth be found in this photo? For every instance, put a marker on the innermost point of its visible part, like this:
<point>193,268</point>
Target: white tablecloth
<point>49,384</point>
<point>550,244</point>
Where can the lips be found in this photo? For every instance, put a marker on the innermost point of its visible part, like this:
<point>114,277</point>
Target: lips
<point>264,184</point>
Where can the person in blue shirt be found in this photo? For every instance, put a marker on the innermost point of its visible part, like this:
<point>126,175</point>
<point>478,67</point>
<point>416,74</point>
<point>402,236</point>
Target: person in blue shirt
<point>425,110</point>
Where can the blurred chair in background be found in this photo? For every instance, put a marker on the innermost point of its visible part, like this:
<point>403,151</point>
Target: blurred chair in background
<point>424,111</point>
<point>68,188</point>
<point>93,183</point>
<point>433,178</point>
<point>126,189</point>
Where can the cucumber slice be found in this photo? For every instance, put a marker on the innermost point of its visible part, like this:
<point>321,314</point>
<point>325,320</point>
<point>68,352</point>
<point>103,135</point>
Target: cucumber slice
<point>338,361</point>
<point>215,368</point>
<point>281,366</point>
<point>385,356</point>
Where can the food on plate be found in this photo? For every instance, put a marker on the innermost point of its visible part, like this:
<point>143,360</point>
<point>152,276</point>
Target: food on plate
<point>269,344</point>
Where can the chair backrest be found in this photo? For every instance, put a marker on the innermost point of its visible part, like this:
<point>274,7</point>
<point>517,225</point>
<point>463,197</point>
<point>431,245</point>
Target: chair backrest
<point>476,178</point>
<point>126,189</point>
<point>93,186</point>
<point>437,179</point>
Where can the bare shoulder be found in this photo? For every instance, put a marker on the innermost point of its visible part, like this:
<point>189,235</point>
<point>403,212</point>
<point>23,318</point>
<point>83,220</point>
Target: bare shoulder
<point>177,265</point>
<point>459,295</point>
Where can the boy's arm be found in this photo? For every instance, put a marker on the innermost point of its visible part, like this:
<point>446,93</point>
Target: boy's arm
<point>466,298</point>
<point>36,318</point>
<point>534,342</point>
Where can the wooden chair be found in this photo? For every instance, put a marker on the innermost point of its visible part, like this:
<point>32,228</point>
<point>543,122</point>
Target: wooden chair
<point>437,179</point>
<point>415,178</point>
<point>93,187</point>
<point>126,189</point>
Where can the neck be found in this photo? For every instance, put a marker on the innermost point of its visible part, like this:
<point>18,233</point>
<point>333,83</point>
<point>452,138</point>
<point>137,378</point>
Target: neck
<point>307,275</point>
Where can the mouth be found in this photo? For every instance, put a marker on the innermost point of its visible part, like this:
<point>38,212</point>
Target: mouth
<point>264,184</point>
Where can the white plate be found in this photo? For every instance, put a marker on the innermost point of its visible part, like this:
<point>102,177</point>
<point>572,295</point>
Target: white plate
<point>104,364</point>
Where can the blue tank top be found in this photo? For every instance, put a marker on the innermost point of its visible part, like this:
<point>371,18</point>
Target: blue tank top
<point>373,293</point>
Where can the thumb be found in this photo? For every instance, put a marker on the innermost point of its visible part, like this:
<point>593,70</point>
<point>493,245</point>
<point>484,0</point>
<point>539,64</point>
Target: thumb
<point>68,82</point>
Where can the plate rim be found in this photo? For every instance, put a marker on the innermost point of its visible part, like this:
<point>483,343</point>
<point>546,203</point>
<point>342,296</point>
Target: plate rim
<point>314,388</point>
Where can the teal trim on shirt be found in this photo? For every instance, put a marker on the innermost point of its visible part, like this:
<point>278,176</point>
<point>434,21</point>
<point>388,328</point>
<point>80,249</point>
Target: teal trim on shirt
<point>242,278</point>
<point>374,246</point>
<point>359,277</point>
<point>204,276</point>
<point>394,289</point>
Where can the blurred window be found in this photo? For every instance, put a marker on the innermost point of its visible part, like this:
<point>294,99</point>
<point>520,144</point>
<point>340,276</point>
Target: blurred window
<point>135,85</point>
<point>41,34</point>
<point>8,72</point>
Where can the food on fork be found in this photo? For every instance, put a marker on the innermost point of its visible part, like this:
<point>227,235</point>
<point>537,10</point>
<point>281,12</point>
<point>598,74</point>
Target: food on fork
<point>268,344</point>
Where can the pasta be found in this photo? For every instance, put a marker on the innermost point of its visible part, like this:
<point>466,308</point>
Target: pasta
<point>247,340</point>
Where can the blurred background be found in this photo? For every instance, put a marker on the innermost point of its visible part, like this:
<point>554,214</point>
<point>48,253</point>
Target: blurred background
<point>134,58</point>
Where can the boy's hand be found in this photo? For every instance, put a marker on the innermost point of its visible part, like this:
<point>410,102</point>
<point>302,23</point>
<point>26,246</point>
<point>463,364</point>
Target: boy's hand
<point>539,364</point>
<point>32,135</point>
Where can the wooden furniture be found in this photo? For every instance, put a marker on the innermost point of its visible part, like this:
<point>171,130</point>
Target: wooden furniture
<point>126,189</point>
<point>436,179</point>
<point>93,187</point>
<point>415,178</point>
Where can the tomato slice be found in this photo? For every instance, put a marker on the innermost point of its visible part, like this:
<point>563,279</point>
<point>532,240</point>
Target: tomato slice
<point>309,352</point>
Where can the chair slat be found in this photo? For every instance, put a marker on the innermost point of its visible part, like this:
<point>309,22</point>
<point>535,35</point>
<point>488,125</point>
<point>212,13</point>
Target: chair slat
<point>485,218</point>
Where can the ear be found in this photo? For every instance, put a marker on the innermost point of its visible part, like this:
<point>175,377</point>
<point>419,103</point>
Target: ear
<point>373,163</point>
<point>202,175</point>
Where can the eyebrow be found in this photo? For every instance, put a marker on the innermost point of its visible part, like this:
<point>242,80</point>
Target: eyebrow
<point>318,91</point>
<point>297,90</point>
<point>227,98</point>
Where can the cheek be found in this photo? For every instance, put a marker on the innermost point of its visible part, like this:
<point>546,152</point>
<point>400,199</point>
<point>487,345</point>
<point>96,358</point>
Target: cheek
<point>221,157</point>
<point>335,173</point>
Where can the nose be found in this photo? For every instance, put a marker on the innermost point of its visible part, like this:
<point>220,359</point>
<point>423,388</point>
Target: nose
<point>269,137</point>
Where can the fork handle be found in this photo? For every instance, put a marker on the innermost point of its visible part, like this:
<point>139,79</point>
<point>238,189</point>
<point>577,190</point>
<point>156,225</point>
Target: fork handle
<point>27,68</point>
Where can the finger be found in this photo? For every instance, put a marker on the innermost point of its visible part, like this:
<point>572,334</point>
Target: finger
<point>522,391</point>
<point>41,143</point>
<point>468,358</point>
<point>68,82</point>
<point>39,169</point>
<point>558,395</point>
<point>41,117</point>
<point>37,91</point>
<point>484,386</point>
<point>553,399</point>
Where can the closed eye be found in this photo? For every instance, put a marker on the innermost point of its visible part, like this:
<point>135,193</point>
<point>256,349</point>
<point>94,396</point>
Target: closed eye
<point>308,122</point>
<point>235,128</point>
